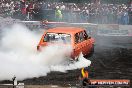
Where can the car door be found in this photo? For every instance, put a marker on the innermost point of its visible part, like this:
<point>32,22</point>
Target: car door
<point>80,44</point>
<point>84,43</point>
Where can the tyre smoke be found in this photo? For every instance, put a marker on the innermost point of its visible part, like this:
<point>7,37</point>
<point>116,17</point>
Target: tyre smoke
<point>19,56</point>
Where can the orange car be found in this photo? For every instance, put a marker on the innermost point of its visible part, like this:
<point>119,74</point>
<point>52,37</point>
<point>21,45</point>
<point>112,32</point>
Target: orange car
<point>76,37</point>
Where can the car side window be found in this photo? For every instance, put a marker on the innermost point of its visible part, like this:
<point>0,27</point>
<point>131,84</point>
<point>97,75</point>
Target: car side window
<point>79,37</point>
<point>46,38</point>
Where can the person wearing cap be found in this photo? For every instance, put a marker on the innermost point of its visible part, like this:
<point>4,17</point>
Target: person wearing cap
<point>58,14</point>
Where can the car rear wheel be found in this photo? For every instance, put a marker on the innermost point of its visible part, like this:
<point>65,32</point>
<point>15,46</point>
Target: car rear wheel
<point>90,54</point>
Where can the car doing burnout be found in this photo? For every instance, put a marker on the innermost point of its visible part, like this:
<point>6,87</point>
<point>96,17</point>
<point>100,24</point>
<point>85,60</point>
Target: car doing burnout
<point>74,36</point>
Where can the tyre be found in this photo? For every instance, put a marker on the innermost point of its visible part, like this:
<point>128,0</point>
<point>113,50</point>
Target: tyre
<point>90,54</point>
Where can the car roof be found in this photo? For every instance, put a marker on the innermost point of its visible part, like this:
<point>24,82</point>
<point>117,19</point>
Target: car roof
<point>67,30</point>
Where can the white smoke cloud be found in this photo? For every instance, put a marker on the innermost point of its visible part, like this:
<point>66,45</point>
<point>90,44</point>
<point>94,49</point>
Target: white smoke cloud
<point>19,56</point>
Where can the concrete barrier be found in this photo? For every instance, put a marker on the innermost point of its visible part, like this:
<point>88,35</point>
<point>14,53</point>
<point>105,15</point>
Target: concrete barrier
<point>114,30</point>
<point>92,29</point>
<point>108,26</point>
<point>126,27</point>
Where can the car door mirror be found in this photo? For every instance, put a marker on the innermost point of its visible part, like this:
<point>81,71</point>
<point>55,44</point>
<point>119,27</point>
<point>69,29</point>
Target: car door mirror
<point>89,37</point>
<point>85,37</point>
<point>45,38</point>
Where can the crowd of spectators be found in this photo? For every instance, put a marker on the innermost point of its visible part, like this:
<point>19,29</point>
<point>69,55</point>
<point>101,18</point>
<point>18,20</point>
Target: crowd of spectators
<point>71,12</point>
<point>6,6</point>
<point>94,13</point>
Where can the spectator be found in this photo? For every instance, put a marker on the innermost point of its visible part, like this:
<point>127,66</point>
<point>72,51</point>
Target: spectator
<point>125,17</point>
<point>23,9</point>
<point>30,11</point>
<point>58,14</point>
<point>119,16</point>
<point>104,14</point>
<point>130,14</point>
<point>85,15</point>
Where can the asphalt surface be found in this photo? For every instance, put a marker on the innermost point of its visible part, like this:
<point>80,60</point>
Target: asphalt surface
<point>112,59</point>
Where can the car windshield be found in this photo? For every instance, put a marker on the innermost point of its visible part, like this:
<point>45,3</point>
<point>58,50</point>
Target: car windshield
<point>58,38</point>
